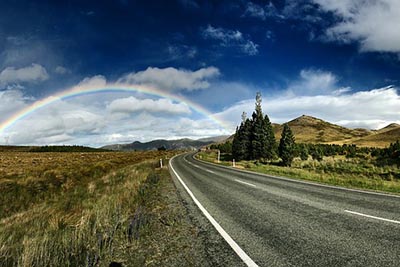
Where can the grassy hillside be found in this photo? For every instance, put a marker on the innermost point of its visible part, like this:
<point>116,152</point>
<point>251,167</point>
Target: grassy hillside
<point>308,129</point>
<point>380,138</point>
<point>156,144</point>
<point>89,209</point>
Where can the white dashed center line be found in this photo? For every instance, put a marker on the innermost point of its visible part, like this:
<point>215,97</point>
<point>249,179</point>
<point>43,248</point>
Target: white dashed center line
<point>249,184</point>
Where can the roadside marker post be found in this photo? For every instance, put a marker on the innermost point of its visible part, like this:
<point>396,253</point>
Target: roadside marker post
<point>161,163</point>
<point>219,156</point>
<point>233,163</point>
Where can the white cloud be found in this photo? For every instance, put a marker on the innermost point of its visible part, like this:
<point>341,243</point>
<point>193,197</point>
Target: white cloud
<point>132,104</point>
<point>33,73</point>
<point>95,81</point>
<point>372,109</point>
<point>260,12</point>
<point>374,24</point>
<point>250,48</point>
<point>59,122</point>
<point>11,101</point>
<point>315,82</point>
<point>177,52</point>
<point>98,119</point>
<point>230,38</point>
<point>172,79</point>
<point>61,70</point>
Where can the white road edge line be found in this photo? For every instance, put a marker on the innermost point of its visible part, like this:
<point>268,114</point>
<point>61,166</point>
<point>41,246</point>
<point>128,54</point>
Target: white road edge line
<point>239,251</point>
<point>210,171</point>
<point>372,217</point>
<point>249,184</point>
<point>294,180</point>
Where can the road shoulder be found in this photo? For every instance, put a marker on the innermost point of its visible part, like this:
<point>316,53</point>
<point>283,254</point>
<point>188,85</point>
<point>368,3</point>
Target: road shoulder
<point>213,249</point>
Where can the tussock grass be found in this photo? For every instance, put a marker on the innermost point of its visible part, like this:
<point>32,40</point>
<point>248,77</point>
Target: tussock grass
<point>347,172</point>
<point>78,209</point>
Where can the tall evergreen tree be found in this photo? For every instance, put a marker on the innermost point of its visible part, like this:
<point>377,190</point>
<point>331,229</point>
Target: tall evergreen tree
<point>236,153</point>
<point>270,146</point>
<point>254,139</point>
<point>263,139</point>
<point>246,139</point>
<point>241,148</point>
<point>287,146</point>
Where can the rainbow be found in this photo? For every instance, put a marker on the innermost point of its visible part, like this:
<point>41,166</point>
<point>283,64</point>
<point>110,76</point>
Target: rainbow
<point>92,89</point>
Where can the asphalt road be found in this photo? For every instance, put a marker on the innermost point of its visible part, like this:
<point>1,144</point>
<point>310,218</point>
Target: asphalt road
<point>283,222</point>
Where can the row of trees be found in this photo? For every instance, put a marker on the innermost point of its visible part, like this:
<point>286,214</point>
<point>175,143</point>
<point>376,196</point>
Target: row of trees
<point>255,140</point>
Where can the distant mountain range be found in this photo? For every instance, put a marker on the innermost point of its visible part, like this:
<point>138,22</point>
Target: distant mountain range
<point>168,144</point>
<point>306,129</point>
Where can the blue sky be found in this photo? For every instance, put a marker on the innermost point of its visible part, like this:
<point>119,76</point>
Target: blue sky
<point>334,59</point>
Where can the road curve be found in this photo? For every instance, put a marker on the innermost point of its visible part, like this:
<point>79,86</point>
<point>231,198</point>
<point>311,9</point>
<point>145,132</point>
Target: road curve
<point>283,222</point>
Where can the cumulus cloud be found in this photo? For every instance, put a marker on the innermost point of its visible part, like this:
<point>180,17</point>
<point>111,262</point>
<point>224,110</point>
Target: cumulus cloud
<point>58,123</point>
<point>230,38</point>
<point>372,109</point>
<point>314,81</point>
<point>172,79</point>
<point>95,81</point>
<point>11,101</point>
<point>374,24</point>
<point>132,104</point>
<point>33,73</point>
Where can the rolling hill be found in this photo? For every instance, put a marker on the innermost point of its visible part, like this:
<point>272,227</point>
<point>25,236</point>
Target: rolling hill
<point>379,138</point>
<point>168,144</point>
<point>308,129</point>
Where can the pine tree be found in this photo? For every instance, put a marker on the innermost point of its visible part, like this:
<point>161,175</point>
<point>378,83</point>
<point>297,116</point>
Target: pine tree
<point>263,138</point>
<point>287,146</point>
<point>254,138</point>
<point>241,148</point>
<point>237,153</point>
<point>270,146</point>
<point>246,139</point>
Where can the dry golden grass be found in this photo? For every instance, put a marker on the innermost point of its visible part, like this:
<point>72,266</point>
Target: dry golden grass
<point>74,209</point>
<point>308,129</point>
<point>381,138</point>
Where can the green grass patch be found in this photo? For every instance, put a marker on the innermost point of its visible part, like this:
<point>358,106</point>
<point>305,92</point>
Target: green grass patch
<point>352,173</point>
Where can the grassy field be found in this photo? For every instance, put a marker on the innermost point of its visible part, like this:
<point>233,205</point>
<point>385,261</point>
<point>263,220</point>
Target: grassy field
<point>89,209</point>
<point>338,170</point>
